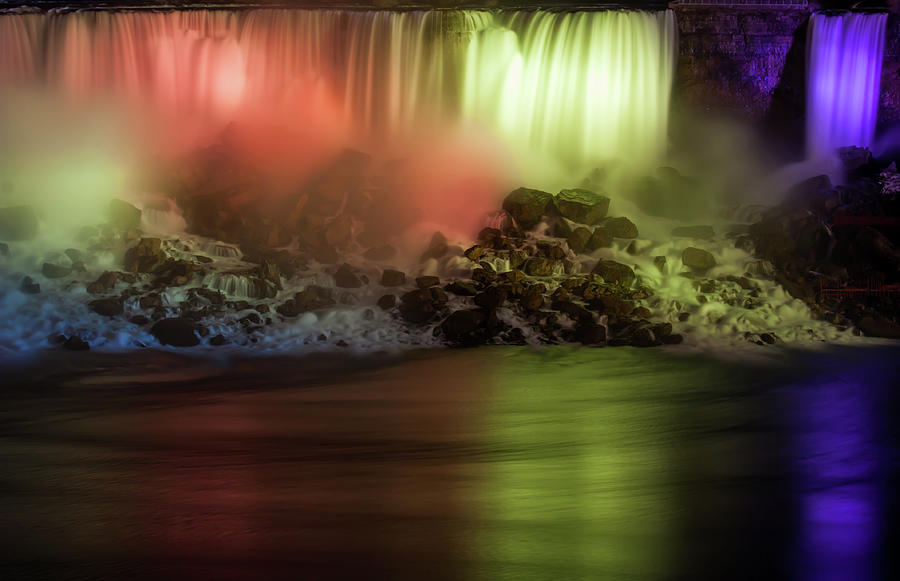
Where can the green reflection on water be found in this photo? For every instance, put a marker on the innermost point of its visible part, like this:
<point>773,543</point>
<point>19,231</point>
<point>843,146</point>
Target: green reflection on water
<point>583,447</point>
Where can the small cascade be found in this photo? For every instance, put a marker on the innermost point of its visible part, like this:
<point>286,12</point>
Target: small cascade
<point>575,86</point>
<point>843,80</point>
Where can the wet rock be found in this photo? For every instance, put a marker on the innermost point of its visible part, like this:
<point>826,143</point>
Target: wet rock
<point>392,277</point>
<point>104,283</point>
<point>422,305</point>
<point>600,238</point>
<point>387,302</point>
<point>612,305</point>
<point>621,228</point>
<point>50,270</point>
<point>527,206</point>
<point>218,340</point>
<point>511,276</point>
<point>175,273</point>
<point>574,311</point>
<point>550,250</point>
<point>702,232</point>
<point>29,287</point>
<point>538,266</point>
<point>463,326</point>
<point>532,300</point>
<point>269,271</point>
<point>490,238</point>
<point>614,272</point>
<point>590,334</point>
<point>484,275</point>
<point>578,239</point>
<point>474,253</point>
<point>123,215</point>
<point>562,228</point>
<point>380,253</point>
<point>107,307</point>
<point>582,206</point>
<point>660,263</point>
<point>462,288</point>
<point>437,248</point>
<point>674,339</point>
<point>311,298</point>
<point>76,343</point>
<point>346,277</point>
<point>18,223</point>
<point>139,320</point>
<point>697,259</point>
<point>517,258</point>
<point>146,256</point>
<point>177,332</point>
<point>879,327</point>
<point>427,281</point>
<point>491,298</point>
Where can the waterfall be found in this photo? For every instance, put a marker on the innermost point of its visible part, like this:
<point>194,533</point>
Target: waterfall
<point>576,86</point>
<point>844,76</point>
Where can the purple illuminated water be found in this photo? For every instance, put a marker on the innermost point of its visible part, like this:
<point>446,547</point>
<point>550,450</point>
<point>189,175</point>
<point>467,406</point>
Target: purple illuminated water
<point>844,76</point>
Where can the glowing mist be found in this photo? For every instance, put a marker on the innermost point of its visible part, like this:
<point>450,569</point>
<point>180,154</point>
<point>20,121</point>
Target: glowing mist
<point>843,80</point>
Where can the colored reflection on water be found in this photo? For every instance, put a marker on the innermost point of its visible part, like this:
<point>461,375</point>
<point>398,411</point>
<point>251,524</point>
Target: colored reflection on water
<point>475,464</point>
<point>840,471</point>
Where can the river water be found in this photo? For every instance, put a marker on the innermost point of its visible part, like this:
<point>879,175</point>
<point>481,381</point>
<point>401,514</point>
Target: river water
<point>493,463</point>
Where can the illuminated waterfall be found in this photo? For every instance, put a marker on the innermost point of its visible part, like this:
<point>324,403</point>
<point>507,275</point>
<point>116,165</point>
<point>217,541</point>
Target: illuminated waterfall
<point>583,85</point>
<point>578,87</point>
<point>844,77</point>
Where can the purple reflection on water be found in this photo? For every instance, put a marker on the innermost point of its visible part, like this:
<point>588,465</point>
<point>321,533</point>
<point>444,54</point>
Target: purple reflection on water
<point>837,460</point>
<point>843,80</point>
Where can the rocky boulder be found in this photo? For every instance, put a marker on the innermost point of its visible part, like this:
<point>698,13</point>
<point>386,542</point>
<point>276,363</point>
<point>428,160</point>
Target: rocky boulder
<point>697,259</point>
<point>123,215</point>
<point>464,327</point>
<point>177,332</point>
<point>582,206</point>
<point>50,270</point>
<point>391,277</point>
<point>422,305</point>
<point>527,206</point>
<point>146,256</point>
<point>614,272</point>
<point>621,228</point>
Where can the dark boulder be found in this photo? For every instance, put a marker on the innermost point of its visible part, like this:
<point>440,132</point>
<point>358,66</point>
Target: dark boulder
<point>463,327</point>
<point>76,343</point>
<point>50,270</point>
<point>18,223</point>
<point>621,228</point>
<point>697,259</point>
<point>387,302</point>
<point>590,333</point>
<point>614,272</point>
<point>538,266</point>
<point>123,215</point>
<point>462,288</point>
<point>146,256</point>
<point>311,298</point>
<point>177,332</point>
<point>392,277</point>
<point>346,277</point>
<point>29,287</point>
<point>107,307</point>
<point>582,206</point>
<point>427,281</point>
<point>422,305</point>
<point>437,247</point>
<point>600,238</point>
<point>527,206</point>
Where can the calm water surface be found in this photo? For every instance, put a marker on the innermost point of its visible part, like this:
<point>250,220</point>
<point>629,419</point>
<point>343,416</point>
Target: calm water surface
<point>480,464</point>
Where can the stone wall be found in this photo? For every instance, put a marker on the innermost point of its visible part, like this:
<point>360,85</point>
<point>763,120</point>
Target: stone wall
<point>751,61</point>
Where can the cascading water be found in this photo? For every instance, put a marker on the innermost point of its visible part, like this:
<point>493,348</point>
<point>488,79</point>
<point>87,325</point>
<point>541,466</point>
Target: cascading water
<point>579,87</point>
<point>844,77</point>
